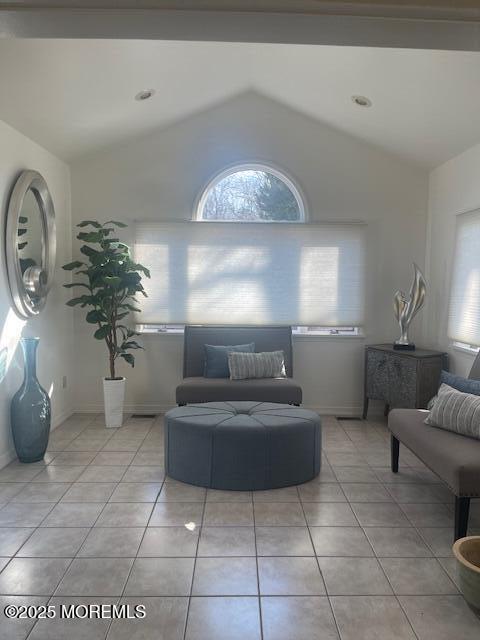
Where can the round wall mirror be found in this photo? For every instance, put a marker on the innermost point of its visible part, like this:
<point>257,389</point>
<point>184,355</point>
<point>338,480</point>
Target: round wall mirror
<point>30,243</point>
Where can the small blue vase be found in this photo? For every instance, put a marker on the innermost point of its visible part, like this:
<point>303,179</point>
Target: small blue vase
<point>30,410</point>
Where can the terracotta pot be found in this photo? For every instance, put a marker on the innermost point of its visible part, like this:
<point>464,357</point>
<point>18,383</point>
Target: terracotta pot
<point>467,553</point>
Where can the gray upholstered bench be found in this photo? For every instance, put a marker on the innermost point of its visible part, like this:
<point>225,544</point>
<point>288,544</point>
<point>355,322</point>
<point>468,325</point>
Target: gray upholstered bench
<point>242,445</point>
<point>453,457</point>
<point>196,388</point>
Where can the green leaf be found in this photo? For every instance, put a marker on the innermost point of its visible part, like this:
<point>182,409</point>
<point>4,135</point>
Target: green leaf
<point>90,236</point>
<point>73,265</point>
<point>140,267</point>
<point>102,333</point>
<point>112,281</point>
<point>88,251</point>
<point>95,316</point>
<point>83,300</point>
<point>131,344</point>
<point>122,225</point>
<point>76,284</point>
<point>25,263</point>
<point>130,307</point>
<point>122,315</point>
<point>128,358</point>
<point>91,223</point>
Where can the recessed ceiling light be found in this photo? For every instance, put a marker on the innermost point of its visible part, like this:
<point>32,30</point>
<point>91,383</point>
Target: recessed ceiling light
<point>361,101</point>
<point>145,94</point>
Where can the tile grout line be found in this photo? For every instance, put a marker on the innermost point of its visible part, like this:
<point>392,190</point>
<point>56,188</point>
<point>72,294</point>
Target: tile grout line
<point>378,563</point>
<point>260,613</point>
<point>409,524</point>
<point>119,598</point>
<point>318,566</point>
<point>49,598</point>
<point>187,613</point>
<point>34,529</point>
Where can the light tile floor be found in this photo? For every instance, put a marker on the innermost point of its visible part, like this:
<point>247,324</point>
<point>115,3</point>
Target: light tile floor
<point>356,554</point>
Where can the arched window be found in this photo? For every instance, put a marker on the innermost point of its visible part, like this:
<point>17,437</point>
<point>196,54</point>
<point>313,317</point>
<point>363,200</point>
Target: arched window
<point>251,193</point>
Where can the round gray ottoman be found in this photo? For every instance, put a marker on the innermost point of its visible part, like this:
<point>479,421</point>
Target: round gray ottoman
<point>242,445</point>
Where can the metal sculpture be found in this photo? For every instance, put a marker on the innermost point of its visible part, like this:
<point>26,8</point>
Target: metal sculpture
<point>407,308</point>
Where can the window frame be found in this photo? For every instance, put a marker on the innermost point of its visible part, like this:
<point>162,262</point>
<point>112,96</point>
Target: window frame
<point>251,166</point>
<point>298,331</point>
<point>456,342</point>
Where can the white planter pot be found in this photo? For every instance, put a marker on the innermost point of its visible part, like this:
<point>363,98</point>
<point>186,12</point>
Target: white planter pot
<point>113,395</point>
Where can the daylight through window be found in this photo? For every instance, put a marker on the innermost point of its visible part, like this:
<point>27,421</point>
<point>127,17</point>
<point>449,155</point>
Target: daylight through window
<point>251,193</point>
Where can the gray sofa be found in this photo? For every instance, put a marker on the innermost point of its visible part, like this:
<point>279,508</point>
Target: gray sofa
<point>453,457</point>
<point>196,388</point>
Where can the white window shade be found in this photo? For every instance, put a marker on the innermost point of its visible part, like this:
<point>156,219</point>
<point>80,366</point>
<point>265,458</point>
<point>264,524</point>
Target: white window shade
<point>251,274</point>
<point>464,316</point>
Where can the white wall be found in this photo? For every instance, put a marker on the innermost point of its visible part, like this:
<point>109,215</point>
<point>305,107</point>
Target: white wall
<point>160,177</point>
<point>454,188</point>
<point>54,325</point>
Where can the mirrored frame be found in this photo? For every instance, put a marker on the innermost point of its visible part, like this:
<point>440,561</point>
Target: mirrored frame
<point>29,288</point>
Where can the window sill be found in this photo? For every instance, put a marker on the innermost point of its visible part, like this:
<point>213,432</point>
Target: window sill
<point>295,336</point>
<point>324,336</point>
<point>465,349</point>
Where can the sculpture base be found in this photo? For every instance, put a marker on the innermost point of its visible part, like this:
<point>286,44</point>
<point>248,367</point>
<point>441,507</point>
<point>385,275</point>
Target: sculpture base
<point>404,347</point>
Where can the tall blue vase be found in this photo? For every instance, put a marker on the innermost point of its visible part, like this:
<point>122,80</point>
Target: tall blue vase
<point>30,410</point>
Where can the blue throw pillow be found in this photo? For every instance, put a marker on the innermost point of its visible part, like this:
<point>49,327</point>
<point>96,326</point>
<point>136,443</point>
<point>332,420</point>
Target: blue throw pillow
<point>216,358</point>
<point>465,385</point>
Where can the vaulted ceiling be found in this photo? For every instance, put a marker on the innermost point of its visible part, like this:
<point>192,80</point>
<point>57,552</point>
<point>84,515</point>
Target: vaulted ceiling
<point>75,96</point>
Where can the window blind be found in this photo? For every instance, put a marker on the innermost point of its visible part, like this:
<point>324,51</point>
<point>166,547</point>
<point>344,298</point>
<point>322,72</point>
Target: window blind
<point>464,313</point>
<point>250,274</point>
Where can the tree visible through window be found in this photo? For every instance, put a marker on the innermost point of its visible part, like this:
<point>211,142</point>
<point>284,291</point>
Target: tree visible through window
<point>251,194</point>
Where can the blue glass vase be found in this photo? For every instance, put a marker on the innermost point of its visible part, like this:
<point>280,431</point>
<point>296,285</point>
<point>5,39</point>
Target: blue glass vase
<point>30,410</point>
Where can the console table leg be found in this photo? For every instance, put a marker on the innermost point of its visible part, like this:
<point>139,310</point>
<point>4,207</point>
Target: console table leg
<point>394,451</point>
<point>462,507</point>
<point>365,408</point>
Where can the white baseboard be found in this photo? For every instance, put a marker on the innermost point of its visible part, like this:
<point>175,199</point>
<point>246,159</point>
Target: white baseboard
<point>347,412</point>
<point>128,408</point>
<point>6,457</point>
<point>61,417</point>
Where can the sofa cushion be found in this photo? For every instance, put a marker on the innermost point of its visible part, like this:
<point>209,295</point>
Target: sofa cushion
<point>465,385</point>
<point>453,457</point>
<point>456,411</point>
<point>270,364</point>
<point>198,389</point>
<point>265,339</point>
<point>216,358</point>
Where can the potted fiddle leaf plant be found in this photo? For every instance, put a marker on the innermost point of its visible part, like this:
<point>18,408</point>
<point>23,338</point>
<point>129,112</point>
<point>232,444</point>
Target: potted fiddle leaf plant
<point>110,281</point>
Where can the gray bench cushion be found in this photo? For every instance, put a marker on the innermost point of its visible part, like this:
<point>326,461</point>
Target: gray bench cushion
<point>242,445</point>
<point>453,457</point>
<point>284,390</point>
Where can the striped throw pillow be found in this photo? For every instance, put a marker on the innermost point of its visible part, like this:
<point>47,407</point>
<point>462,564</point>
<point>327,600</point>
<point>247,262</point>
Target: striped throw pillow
<point>456,411</point>
<point>270,364</point>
